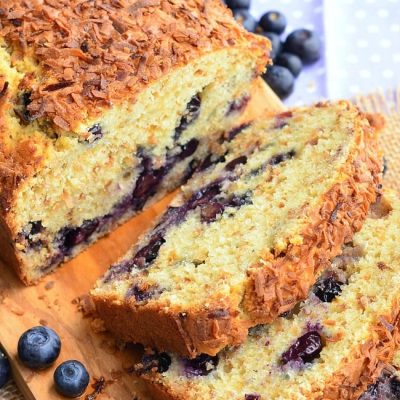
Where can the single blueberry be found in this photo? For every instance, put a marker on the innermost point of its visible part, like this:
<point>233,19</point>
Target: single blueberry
<point>202,365</point>
<point>234,4</point>
<point>275,43</point>
<point>71,378</point>
<point>96,132</point>
<point>147,254</point>
<point>306,348</point>
<point>327,289</point>
<point>280,79</point>
<point>291,62</point>
<point>36,227</point>
<point>5,370</point>
<point>238,105</point>
<point>210,211</point>
<point>158,361</point>
<point>252,396</point>
<point>273,21</point>
<point>244,17</point>
<point>231,165</point>
<point>305,44</point>
<point>39,347</point>
<point>395,387</point>
<point>281,157</point>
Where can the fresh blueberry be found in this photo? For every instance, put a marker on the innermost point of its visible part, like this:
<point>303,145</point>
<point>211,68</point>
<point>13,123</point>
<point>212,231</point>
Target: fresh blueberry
<point>275,43</point>
<point>71,378</point>
<point>280,79</point>
<point>5,370</point>
<point>306,348</point>
<point>327,289</point>
<point>305,44</point>
<point>289,61</point>
<point>39,347</point>
<point>234,4</point>
<point>273,21</point>
<point>244,17</point>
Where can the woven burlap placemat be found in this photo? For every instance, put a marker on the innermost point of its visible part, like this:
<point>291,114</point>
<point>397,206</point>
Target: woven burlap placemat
<point>384,102</point>
<point>387,103</point>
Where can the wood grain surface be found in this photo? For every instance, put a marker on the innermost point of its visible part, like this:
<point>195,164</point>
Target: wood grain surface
<point>57,300</point>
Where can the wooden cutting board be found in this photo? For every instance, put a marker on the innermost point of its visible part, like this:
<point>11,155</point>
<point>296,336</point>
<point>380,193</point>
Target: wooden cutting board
<point>55,302</point>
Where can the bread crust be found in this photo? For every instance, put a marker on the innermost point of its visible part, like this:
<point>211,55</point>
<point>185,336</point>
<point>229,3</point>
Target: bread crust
<point>271,287</point>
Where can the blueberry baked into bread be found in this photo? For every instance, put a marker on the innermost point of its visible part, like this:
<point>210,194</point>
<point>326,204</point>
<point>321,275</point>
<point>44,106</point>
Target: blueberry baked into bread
<point>249,234</point>
<point>104,107</point>
<point>332,346</point>
<point>386,386</point>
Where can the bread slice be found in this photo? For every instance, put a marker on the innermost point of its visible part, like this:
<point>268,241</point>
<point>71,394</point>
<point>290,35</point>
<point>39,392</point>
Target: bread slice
<point>249,234</point>
<point>332,347</point>
<point>104,107</point>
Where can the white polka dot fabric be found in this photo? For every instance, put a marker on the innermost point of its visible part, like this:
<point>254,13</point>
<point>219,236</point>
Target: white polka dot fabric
<point>361,40</point>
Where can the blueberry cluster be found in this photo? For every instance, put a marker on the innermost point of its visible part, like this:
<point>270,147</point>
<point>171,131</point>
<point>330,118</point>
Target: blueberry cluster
<point>301,47</point>
<point>38,349</point>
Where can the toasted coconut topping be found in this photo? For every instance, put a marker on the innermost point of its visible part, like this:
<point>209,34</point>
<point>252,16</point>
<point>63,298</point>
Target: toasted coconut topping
<point>91,54</point>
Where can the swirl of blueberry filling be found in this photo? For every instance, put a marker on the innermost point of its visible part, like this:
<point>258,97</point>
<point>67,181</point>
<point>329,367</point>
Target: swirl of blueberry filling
<point>211,202</point>
<point>190,115</point>
<point>238,105</point>
<point>146,186</point>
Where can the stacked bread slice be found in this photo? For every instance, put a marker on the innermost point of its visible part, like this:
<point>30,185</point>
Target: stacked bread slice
<point>105,106</point>
<point>332,346</point>
<point>249,234</point>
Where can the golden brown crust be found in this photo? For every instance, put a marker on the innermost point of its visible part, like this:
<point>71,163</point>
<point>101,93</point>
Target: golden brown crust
<point>96,53</point>
<point>199,332</point>
<point>353,378</point>
<point>271,290</point>
<point>273,286</point>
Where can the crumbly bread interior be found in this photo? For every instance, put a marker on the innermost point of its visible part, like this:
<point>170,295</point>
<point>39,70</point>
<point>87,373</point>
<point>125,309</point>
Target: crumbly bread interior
<point>291,163</point>
<point>352,326</point>
<point>80,180</point>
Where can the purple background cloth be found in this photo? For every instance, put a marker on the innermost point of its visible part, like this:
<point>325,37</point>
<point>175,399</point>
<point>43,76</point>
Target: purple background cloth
<point>361,40</point>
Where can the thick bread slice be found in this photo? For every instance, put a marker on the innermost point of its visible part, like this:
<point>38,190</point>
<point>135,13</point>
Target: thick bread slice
<point>247,237</point>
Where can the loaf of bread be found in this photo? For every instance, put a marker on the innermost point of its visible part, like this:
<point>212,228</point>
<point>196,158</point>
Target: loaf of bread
<point>332,346</point>
<point>249,234</point>
<point>104,107</point>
